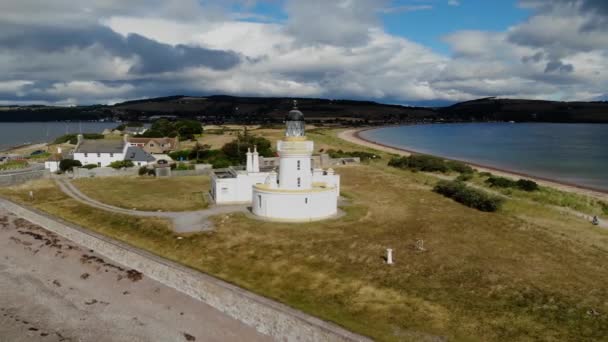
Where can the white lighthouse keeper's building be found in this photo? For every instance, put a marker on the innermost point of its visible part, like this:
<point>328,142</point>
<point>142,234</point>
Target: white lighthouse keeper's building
<point>297,193</point>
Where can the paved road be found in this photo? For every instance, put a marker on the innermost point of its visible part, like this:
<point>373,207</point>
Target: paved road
<point>52,289</point>
<point>183,222</point>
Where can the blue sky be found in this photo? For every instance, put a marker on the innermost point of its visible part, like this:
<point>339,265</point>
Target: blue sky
<point>429,26</point>
<point>398,51</point>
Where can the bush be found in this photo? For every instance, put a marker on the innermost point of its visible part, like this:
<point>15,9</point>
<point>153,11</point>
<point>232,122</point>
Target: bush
<point>69,164</point>
<point>470,197</point>
<point>485,174</point>
<point>90,166</point>
<point>142,171</point>
<point>73,138</point>
<point>501,182</point>
<point>363,156</point>
<point>459,167</point>
<point>119,164</point>
<point>522,184</point>
<point>180,155</point>
<point>527,185</point>
<point>465,177</point>
<point>420,163</point>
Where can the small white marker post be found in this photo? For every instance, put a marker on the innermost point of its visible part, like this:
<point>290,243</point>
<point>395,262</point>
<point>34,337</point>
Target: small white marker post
<point>31,195</point>
<point>389,256</point>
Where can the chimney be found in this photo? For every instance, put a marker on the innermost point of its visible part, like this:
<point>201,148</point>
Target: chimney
<point>256,160</point>
<point>249,160</point>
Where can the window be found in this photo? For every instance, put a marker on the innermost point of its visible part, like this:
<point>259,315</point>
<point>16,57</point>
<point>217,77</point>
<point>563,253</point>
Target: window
<point>260,201</point>
<point>299,165</point>
<point>306,200</point>
<point>98,164</point>
<point>98,155</point>
<point>299,182</point>
<point>86,155</point>
<point>111,155</point>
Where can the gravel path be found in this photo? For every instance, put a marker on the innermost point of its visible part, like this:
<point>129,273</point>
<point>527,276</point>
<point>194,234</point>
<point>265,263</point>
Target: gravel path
<point>52,289</point>
<point>183,222</point>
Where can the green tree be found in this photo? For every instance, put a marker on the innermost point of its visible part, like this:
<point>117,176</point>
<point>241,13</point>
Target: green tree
<point>69,164</point>
<point>236,150</point>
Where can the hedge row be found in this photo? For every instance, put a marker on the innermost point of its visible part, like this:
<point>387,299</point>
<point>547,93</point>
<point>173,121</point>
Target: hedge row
<point>468,196</point>
<point>421,162</point>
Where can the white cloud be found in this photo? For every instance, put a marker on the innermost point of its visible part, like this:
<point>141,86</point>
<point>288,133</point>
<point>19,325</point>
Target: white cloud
<point>324,49</point>
<point>454,2</point>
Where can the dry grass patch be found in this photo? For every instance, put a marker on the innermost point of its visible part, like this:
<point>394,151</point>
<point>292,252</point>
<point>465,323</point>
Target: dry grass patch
<point>148,194</point>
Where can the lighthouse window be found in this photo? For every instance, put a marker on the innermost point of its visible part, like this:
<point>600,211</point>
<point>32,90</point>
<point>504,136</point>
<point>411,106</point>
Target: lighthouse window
<point>260,201</point>
<point>306,200</point>
<point>299,182</point>
<point>299,165</point>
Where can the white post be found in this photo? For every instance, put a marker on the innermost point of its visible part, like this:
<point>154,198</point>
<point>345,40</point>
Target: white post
<point>389,256</point>
<point>256,159</point>
<point>249,160</point>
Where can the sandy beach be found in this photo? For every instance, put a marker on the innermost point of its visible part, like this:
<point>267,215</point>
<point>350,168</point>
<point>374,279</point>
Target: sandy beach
<point>54,290</point>
<point>353,136</point>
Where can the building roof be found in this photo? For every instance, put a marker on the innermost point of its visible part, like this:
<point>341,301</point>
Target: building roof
<point>136,154</point>
<point>146,140</point>
<point>100,146</point>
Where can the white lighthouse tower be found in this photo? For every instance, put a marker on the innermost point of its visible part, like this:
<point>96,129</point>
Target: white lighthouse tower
<point>299,193</point>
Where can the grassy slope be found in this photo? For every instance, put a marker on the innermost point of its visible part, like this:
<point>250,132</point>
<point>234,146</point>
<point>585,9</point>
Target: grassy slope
<point>525,273</point>
<point>147,193</point>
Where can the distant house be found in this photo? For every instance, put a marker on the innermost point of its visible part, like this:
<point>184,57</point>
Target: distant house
<point>155,145</point>
<point>103,152</point>
<point>134,130</point>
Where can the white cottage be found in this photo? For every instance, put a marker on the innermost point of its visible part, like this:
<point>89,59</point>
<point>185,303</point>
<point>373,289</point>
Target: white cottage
<point>103,152</point>
<point>296,193</point>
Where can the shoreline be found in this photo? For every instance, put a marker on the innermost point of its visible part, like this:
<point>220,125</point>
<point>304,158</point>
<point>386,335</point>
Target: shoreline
<point>354,136</point>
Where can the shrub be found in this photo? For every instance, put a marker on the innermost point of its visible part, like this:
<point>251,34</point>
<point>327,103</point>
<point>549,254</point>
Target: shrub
<point>142,171</point>
<point>465,177</point>
<point>459,167</point>
<point>89,166</point>
<point>73,138</point>
<point>184,167</point>
<point>468,196</point>
<point>69,164</point>
<point>604,207</point>
<point>420,163</point>
<point>522,184</point>
<point>485,174</point>
<point>527,185</point>
<point>119,164</point>
<point>501,182</point>
<point>363,156</point>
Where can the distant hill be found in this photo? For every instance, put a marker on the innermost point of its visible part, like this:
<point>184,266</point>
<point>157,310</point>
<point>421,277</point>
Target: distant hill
<point>493,109</point>
<point>229,109</point>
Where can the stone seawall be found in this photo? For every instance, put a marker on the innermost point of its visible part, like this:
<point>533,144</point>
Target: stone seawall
<point>266,316</point>
<point>9,179</point>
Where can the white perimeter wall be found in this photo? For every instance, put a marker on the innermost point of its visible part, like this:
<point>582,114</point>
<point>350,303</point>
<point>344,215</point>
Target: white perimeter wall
<point>297,206</point>
<point>236,190</point>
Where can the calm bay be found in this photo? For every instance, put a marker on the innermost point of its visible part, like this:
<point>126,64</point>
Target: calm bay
<point>569,153</point>
<point>19,133</point>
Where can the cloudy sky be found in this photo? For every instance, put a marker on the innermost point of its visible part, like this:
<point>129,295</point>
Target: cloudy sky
<point>398,51</point>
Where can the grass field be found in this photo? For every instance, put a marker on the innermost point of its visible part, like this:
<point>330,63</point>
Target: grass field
<point>528,272</point>
<point>148,193</point>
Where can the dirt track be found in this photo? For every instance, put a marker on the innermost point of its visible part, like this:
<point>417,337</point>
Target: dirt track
<point>54,290</point>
